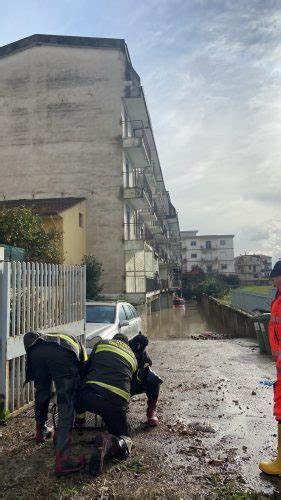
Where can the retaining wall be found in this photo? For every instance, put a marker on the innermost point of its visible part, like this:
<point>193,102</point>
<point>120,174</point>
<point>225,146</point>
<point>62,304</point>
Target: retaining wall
<point>226,319</point>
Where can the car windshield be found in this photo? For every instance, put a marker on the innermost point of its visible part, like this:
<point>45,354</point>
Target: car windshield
<point>100,314</point>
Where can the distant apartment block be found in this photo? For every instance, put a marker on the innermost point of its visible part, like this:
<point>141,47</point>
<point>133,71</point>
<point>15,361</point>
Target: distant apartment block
<point>213,253</point>
<point>253,267</point>
<point>75,123</point>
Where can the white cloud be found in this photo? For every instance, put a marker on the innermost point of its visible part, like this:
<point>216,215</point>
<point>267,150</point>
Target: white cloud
<point>212,75</point>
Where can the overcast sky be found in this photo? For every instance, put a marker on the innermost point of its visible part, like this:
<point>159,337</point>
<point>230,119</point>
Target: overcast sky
<point>211,70</point>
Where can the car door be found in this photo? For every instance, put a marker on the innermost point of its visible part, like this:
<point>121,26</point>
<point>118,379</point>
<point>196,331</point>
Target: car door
<point>132,320</point>
<point>136,323</point>
<point>122,317</point>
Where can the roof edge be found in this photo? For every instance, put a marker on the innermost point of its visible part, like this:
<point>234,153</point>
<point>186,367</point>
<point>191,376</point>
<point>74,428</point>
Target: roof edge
<point>64,40</point>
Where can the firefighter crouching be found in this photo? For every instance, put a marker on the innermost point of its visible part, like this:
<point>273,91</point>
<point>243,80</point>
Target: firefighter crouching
<point>106,392</point>
<point>144,379</point>
<point>274,331</point>
<point>57,357</point>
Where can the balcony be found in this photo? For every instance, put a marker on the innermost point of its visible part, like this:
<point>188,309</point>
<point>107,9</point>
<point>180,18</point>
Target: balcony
<point>134,100</point>
<point>172,215</point>
<point>212,259</point>
<point>135,142</point>
<point>142,284</point>
<point>138,191</point>
<point>136,235</point>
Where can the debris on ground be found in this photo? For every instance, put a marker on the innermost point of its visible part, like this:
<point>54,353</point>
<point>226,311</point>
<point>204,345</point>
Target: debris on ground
<point>267,383</point>
<point>207,336</point>
<point>188,455</point>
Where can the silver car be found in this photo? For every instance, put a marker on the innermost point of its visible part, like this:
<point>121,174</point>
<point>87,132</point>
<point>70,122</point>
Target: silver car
<point>105,319</point>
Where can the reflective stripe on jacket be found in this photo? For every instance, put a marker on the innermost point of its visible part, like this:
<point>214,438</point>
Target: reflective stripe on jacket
<point>64,340</point>
<point>274,329</point>
<point>111,366</point>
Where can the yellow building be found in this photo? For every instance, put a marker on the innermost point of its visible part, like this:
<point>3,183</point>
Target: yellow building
<point>67,215</point>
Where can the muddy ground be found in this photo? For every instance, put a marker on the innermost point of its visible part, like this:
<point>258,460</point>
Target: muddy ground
<point>215,425</point>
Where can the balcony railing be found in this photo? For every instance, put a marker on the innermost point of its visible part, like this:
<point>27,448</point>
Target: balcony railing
<point>138,232</point>
<point>132,91</point>
<point>137,179</point>
<point>135,129</point>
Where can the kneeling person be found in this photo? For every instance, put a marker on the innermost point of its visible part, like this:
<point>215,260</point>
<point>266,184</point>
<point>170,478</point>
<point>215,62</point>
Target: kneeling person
<point>144,379</point>
<point>106,392</point>
<point>57,357</point>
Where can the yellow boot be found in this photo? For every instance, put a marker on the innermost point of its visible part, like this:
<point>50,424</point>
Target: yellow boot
<point>274,467</point>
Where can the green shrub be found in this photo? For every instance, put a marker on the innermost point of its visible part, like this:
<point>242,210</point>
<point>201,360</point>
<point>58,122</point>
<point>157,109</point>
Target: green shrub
<point>94,271</point>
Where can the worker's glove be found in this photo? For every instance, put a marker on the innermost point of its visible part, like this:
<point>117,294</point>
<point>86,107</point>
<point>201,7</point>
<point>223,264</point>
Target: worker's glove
<point>138,344</point>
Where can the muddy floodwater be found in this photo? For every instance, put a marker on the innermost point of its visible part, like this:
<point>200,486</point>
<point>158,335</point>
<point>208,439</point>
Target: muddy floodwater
<point>175,323</point>
<point>215,425</point>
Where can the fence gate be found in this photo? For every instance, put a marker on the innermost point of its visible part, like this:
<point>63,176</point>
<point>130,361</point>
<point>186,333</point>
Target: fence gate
<point>33,296</point>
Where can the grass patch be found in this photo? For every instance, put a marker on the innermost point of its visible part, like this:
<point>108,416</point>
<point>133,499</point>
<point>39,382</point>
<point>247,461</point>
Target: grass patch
<point>232,490</point>
<point>225,299</point>
<point>260,290</point>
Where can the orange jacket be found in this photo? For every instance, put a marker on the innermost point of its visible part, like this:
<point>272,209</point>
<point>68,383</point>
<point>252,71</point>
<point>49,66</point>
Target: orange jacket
<point>274,329</point>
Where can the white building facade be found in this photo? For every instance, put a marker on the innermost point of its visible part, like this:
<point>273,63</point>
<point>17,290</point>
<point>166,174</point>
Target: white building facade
<point>253,267</point>
<point>212,253</point>
<point>74,123</point>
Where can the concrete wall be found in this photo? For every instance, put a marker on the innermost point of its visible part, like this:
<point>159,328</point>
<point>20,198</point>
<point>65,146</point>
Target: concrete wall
<point>74,236</point>
<point>226,319</point>
<point>60,132</point>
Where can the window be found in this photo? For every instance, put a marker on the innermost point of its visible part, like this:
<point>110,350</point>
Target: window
<point>128,222</point>
<point>100,314</point>
<point>222,242</point>
<point>193,243</point>
<point>209,269</point>
<point>135,314</point>
<point>208,244</point>
<point>250,268</point>
<point>122,315</point>
<point>81,220</point>
<point>194,255</point>
<point>127,174</point>
<point>223,266</point>
<point>128,312</point>
<point>254,268</point>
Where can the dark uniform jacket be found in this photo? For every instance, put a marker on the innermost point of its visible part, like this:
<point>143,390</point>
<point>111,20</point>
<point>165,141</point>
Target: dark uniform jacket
<point>110,367</point>
<point>64,340</point>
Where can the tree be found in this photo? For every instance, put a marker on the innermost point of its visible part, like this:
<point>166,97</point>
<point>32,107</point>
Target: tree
<point>94,271</point>
<point>20,227</point>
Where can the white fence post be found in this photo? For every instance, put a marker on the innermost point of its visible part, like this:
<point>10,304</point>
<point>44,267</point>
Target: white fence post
<point>5,277</point>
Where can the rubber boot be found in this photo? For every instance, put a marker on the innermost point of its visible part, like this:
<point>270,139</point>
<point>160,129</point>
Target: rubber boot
<point>152,418</point>
<point>43,433</point>
<point>108,447</point>
<point>65,463</point>
<point>274,467</point>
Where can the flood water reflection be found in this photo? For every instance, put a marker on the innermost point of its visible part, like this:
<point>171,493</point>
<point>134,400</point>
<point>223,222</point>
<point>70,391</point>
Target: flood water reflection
<point>175,323</point>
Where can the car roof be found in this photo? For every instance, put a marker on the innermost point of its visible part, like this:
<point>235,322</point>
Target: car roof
<point>108,303</point>
<point>96,303</point>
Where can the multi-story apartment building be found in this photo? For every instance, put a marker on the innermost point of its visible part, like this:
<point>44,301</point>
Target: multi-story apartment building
<point>213,253</point>
<point>75,123</point>
<point>253,267</point>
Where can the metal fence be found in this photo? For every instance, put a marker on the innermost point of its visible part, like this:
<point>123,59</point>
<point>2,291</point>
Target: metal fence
<point>42,297</point>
